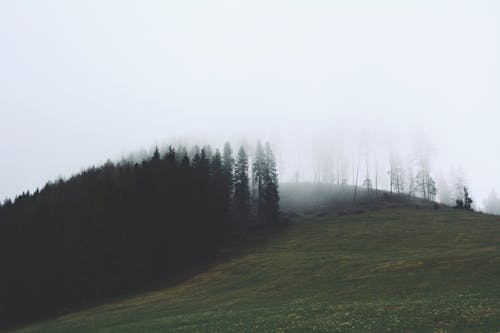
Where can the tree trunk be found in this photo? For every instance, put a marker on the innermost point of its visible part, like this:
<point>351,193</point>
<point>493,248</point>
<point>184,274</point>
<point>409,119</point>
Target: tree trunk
<point>356,184</point>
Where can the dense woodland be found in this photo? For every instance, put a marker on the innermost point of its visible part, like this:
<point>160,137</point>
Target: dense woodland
<point>114,228</point>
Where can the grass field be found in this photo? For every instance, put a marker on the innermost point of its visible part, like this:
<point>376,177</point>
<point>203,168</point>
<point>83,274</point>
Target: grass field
<point>392,270</point>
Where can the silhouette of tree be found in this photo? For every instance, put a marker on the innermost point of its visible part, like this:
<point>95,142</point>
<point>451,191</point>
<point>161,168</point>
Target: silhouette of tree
<point>271,192</point>
<point>228,165</point>
<point>464,201</point>
<point>467,199</point>
<point>259,174</point>
<point>241,188</point>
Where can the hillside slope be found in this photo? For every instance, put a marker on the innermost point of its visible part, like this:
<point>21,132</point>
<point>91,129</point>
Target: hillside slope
<point>390,270</point>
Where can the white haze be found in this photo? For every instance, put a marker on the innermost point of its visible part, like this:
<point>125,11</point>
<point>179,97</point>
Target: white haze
<point>83,81</point>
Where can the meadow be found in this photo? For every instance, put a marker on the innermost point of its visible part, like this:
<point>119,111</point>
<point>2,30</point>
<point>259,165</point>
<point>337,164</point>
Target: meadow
<point>389,270</point>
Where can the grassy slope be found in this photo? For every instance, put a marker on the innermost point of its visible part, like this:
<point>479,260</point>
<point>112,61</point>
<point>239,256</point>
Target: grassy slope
<point>391,270</point>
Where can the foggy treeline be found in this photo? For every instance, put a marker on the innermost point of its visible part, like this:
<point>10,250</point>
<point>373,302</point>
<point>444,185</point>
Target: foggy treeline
<point>367,164</point>
<point>114,228</point>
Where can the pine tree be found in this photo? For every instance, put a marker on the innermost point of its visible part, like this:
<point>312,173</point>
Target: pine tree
<point>467,199</point>
<point>219,199</point>
<point>271,193</point>
<point>216,167</point>
<point>156,155</point>
<point>259,172</point>
<point>204,166</point>
<point>228,160</point>
<point>227,169</point>
<point>170,159</point>
<point>464,201</point>
<point>241,188</point>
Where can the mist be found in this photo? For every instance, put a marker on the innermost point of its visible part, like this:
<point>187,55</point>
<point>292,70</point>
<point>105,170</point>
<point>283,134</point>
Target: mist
<point>322,81</point>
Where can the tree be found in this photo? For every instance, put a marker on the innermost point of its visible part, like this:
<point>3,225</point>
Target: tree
<point>259,172</point>
<point>464,201</point>
<point>399,179</point>
<point>156,156</point>
<point>271,193</point>
<point>411,184</point>
<point>467,199</point>
<point>228,161</point>
<point>423,151</point>
<point>459,184</point>
<point>368,184</point>
<point>396,174</point>
<point>421,181</point>
<point>241,188</point>
<point>431,189</point>
<point>227,170</point>
<point>355,180</point>
<point>219,197</point>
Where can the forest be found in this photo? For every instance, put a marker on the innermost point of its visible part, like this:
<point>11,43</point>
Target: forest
<point>114,228</point>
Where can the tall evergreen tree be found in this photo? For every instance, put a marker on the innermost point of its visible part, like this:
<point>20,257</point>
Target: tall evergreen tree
<point>228,161</point>
<point>463,201</point>
<point>216,168</point>
<point>467,199</point>
<point>156,156</point>
<point>271,193</point>
<point>259,174</point>
<point>219,199</point>
<point>241,188</point>
<point>227,168</point>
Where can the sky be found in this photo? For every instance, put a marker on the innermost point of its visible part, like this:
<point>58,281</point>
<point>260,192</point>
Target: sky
<point>84,81</point>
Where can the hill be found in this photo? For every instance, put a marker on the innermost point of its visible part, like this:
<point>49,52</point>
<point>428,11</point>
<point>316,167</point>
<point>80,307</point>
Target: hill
<point>390,270</point>
<point>114,229</point>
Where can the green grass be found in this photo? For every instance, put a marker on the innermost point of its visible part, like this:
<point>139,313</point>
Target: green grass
<point>394,270</point>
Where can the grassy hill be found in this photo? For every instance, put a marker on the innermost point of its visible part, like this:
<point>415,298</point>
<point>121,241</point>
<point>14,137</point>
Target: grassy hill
<point>391,270</point>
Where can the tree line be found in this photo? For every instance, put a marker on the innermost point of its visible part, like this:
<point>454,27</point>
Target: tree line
<point>116,227</point>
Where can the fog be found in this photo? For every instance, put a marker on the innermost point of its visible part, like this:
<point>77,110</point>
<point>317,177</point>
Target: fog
<point>84,81</point>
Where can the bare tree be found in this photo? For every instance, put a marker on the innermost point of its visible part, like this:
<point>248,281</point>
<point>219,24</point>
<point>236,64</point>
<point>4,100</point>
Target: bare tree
<point>356,182</point>
<point>376,175</point>
<point>411,183</point>
<point>396,174</point>
<point>425,183</point>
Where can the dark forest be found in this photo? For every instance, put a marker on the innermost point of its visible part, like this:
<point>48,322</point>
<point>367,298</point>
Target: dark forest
<point>114,228</point>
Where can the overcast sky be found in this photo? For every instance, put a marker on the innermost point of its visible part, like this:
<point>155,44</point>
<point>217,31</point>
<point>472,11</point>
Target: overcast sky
<point>81,81</point>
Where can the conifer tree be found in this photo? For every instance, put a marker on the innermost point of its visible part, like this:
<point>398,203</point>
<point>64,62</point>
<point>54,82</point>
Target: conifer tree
<point>170,159</point>
<point>259,173</point>
<point>219,199</point>
<point>467,199</point>
<point>241,188</point>
<point>156,155</point>
<point>228,161</point>
<point>216,168</point>
<point>271,192</point>
<point>227,169</point>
